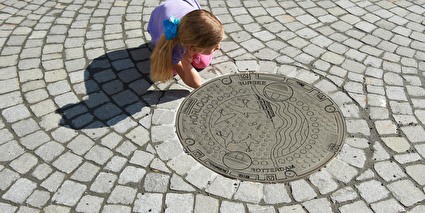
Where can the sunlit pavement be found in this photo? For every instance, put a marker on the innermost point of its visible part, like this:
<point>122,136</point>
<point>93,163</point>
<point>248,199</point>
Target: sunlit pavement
<point>83,129</point>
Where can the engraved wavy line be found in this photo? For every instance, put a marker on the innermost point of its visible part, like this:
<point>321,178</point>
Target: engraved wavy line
<point>294,134</point>
<point>301,132</point>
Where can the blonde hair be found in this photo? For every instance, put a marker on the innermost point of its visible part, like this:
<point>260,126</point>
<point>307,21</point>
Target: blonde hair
<point>199,28</point>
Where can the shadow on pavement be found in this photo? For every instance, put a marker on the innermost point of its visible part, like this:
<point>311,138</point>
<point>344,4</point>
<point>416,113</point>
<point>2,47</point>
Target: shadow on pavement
<point>117,85</point>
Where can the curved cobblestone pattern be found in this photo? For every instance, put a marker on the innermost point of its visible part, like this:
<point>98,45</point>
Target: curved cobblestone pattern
<point>83,129</point>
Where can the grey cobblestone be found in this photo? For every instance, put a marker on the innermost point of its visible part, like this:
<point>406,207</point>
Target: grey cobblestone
<point>123,155</point>
<point>302,191</point>
<point>69,193</point>
<point>274,194</point>
<point>103,183</point>
<point>122,195</point>
<point>131,174</point>
<point>355,207</point>
<point>148,202</point>
<point>8,177</point>
<point>179,202</point>
<point>24,163</point>
<point>89,203</point>
<point>20,190</point>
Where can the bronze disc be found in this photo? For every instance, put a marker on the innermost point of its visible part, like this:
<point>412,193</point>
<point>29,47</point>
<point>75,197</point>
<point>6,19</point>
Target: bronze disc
<point>260,127</point>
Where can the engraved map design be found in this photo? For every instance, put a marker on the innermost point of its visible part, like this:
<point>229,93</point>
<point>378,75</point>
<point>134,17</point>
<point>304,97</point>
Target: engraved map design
<point>260,127</point>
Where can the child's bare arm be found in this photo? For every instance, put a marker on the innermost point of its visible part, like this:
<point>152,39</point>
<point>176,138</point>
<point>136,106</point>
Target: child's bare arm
<point>188,74</point>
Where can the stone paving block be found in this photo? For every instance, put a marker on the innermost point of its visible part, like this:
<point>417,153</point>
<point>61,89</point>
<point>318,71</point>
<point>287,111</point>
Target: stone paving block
<point>24,163</point>
<point>206,204</point>
<point>162,133</point>
<point>407,158</point>
<point>249,192</point>
<point>5,136</point>
<point>418,209</point>
<point>141,158</point>
<point>139,136</point>
<point>25,127</point>
<point>414,134</point>
<point>69,193</point>
<point>358,126</point>
<point>333,58</point>
<point>131,174</point>
<point>397,144</point>
<point>297,208</point>
<point>179,184</point>
<point>179,202</point>
<point>344,194</point>
<point>49,150</point>
<point>158,165</point>
<point>200,176</point>
<point>67,162</point>
<point>387,206</point>
<point>302,191</point>
<point>155,182</point>
<point>103,182</point>
<point>53,182</point>
<point>182,163</point>
<point>389,171</point>
<point>385,127</point>
<point>372,191</point>
<point>406,192</point>
<point>116,208</point>
<point>148,202</point>
<point>63,134</point>
<point>15,113</point>
<point>361,143</point>
<point>318,205</point>
<point>5,207</point>
<point>38,198</point>
<point>275,193</point>
<point>373,50</point>
<point>10,151</point>
<point>99,154</point>
<point>353,156</point>
<point>231,207</point>
<point>403,108</point>
<point>122,195</point>
<point>417,172</point>
<point>86,172</point>
<point>358,206</point>
<point>41,171</point>
<point>111,140</point>
<point>80,144</point>
<point>116,164</point>
<point>24,209</point>
<point>379,153</point>
<point>20,191</point>
<point>89,203</point>
<point>259,209</point>
<point>36,95</point>
<point>324,181</point>
<point>341,170</point>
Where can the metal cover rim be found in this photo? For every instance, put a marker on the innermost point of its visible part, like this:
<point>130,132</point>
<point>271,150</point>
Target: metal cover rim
<point>260,127</point>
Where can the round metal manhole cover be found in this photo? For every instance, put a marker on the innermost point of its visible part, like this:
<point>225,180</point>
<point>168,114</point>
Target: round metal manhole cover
<point>260,127</point>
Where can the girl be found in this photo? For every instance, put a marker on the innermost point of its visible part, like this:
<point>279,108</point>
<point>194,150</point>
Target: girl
<point>183,46</point>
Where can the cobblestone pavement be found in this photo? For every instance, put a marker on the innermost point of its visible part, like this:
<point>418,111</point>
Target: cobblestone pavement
<point>82,129</point>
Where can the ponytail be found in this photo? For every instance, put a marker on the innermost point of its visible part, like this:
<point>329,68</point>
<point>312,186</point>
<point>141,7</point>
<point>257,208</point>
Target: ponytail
<point>161,59</point>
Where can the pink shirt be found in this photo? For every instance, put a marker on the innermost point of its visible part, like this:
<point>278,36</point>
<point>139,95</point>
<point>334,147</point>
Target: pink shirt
<point>176,8</point>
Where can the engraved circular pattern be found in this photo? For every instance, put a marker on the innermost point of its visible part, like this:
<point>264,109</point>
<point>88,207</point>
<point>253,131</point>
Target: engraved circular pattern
<point>260,127</point>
